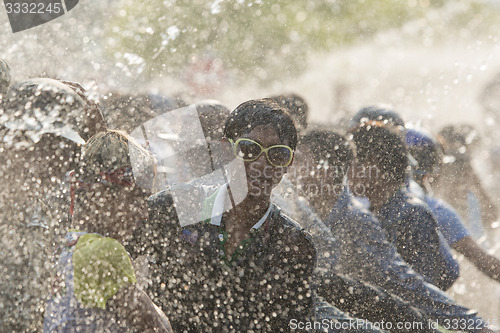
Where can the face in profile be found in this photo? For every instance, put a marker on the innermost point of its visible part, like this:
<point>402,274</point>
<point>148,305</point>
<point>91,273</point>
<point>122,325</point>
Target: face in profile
<point>366,179</point>
<point>266,158</point>
<point>308,174</point>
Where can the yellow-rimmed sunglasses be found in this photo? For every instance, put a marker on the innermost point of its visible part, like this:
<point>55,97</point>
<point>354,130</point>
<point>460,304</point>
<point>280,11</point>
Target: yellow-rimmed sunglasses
<point>249,150</point>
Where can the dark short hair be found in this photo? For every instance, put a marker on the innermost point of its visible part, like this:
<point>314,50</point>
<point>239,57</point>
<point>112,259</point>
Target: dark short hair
<point>328,146</point>
<point>112,150</point>
<point>296,106</point>
<point>376,113</point>
<point>261,112</point>
<point>386,146</point>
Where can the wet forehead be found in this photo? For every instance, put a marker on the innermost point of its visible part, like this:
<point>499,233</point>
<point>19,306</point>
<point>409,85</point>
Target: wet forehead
<point>265,135</point>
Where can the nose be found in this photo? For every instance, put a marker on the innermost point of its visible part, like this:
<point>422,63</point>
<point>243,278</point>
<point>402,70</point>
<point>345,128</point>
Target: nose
<point>258,167</point>
<point>261,163</point>
<point>262,158</point>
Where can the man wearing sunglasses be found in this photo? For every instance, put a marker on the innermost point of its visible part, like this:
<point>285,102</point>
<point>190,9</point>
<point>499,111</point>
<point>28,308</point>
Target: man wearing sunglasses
<point>244,266</point>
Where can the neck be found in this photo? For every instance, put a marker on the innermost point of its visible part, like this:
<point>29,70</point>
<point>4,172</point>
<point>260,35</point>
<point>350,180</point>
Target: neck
<point>382,196</point>
<point>244,216</point>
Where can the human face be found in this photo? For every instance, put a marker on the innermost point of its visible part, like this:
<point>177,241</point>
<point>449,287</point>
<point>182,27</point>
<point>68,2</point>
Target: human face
<point>303,170</point>
<point>312,178</point>
<point>262,176</point>
<point>366,179</point>
<point>249,150</point>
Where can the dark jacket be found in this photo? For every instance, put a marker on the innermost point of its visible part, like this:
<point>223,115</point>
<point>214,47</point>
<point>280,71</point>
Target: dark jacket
<point>262,290</point>
<point>366,254</point>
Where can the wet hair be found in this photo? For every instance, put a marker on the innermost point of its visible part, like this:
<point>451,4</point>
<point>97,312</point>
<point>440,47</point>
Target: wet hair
<point>296,106</point>
<point>112,150</point>
<point>426,150</point>
<point>377,113</point>
<point>212,115</point>
<point>40,105</point>
<point>261,112</point>
<point>330,147</point>
<point>386,147</point>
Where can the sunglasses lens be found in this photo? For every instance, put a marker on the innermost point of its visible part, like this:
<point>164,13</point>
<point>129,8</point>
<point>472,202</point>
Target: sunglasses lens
<point>279,156</point>
<point>247,150</point>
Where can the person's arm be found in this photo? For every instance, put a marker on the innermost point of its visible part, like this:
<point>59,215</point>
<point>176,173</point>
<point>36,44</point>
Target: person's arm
<point>104,278</point>
<point>422,246</point>
<point>485,262</point>
<point>133,306</point>
<point>382,260</point>
<point>459,238</point>
<point>365,249</point>
<point>363,300</point>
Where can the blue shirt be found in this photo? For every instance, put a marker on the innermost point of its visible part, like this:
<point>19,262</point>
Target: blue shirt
<point>449,222</point>
<point>410,225</point>
<point>365,253</point>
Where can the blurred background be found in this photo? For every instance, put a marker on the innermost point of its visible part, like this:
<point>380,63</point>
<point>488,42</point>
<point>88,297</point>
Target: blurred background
<point>429,59</point>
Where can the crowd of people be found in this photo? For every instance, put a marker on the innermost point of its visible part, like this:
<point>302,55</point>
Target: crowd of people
<point>143,213</point>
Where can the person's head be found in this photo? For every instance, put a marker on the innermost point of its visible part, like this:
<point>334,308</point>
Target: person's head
<point>426,150</point>
<point>43,122</point>
<point>381,162</point>
<point>262,134</point>
<point>323,159</point>
<point>297,108</point>
<point>112,182</point>
<point>212,115</point>
<point>378,113</point>
<point>206,156</point>
<point>127,111</point>
<point>459,141</point>
<point>161,104</point>
<point>41,105</point>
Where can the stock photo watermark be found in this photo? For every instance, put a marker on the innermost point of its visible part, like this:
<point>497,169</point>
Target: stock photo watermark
<point>358,324</point>
<point>314,179</point>
<point>26,14</point>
